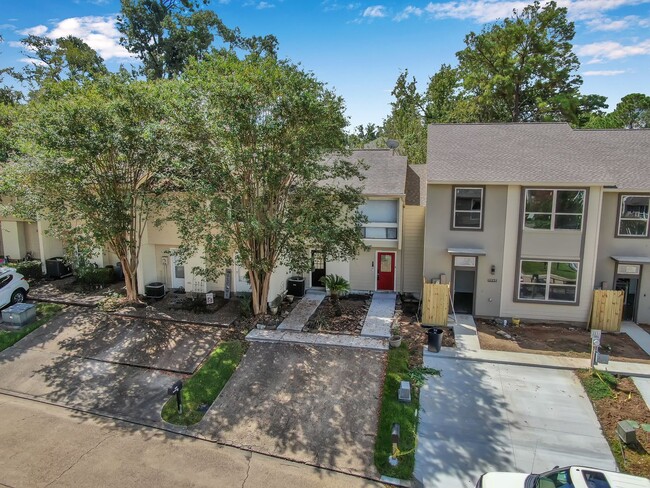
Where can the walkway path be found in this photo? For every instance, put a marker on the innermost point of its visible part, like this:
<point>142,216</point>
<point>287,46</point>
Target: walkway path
<point>374,334</point>
<point>380,315</point>
<point>300,315</point>
<point>638,335</point>
<point>468,347</point>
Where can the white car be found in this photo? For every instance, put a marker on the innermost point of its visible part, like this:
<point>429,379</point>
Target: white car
<point>13,287</point>
<point>568,477</point>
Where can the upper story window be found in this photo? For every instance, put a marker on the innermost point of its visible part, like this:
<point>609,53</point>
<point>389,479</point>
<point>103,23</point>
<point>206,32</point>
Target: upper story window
<point>382,219</point>
<point>633,216</point>
<point>468,208</point>
<point>554,209</point>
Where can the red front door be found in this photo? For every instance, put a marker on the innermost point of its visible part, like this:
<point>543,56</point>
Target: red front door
<point>386,271</point>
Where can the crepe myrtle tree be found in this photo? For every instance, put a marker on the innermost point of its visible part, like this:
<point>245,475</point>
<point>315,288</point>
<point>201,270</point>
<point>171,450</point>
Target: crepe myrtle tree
<point>262,164</point>
<point>94,164</point>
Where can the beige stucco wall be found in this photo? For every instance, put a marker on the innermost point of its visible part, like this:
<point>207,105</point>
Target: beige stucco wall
<point>412,248</point>
<point>557,246</point>
<point>13,238</point>
<point>438,238</point>
<point>610,245</point>
<point>363,269</point>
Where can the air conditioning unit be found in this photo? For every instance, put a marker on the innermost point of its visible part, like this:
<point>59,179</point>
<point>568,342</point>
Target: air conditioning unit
<point>56,268</point>
<point>155,290</point>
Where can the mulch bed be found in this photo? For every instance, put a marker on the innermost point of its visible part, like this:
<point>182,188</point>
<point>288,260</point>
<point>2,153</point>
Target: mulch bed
<point>414,335</point>
<point>271,321</point>
<point>628,404</point>
<point>354,308</point>
<point>556,340</point>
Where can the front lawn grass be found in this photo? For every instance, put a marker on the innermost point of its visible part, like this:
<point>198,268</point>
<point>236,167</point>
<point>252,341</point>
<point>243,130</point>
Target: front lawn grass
<point>393,411</point>
<point>44,312</point>
<point>205,385</point>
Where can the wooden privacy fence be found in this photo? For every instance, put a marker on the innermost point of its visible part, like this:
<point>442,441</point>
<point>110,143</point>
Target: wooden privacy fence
<point>435,304</point>
<point>607,310</point>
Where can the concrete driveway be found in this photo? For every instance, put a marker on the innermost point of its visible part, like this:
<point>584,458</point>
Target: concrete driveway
<point>104,364</point>
<point>317,405</point>
<point>479,417</point>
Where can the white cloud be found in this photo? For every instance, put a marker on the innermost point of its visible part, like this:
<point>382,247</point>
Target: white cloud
<point>376,11</point>
<point>37,30</point>
<point>609,50</point>
<point>263,5</point>
<point>491,10</point>
<point>17,44</point>
<point>408,12</point>
<point>612,72</point>
<point>333,6</point>
<point>602,23</point>
<point>32,61</point>
<point>99,33</point>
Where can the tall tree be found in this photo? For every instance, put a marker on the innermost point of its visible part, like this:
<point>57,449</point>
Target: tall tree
<point>514,65</point>
<point>363,135</point>
<point>633,111</point>
<point>406,120</point>
<point>8,95</point>
<point>253,139</point>
<point>95,166</point>
<point>56,60</point>
<point>445,100</point>
<point>165,34</point>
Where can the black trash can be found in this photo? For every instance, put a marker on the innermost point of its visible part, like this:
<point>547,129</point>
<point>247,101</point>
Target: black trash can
<point>296,286</point>
<point>434,339</point>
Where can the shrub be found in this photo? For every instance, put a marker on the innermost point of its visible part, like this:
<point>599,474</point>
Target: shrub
<point>246,305</point>
<point>96,276</point>
<point>32,270</point>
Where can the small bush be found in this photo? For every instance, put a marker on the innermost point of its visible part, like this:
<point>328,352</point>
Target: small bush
<point>32,270</point>
<point>600,385</point>
<point>246,305</point>
<point>97,276</point>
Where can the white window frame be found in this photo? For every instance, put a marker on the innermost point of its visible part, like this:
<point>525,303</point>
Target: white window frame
<point>621,218</point>
<point>479,212</point>
<point>381,225</point>
<point>548,283</point>
<point>553,213</point>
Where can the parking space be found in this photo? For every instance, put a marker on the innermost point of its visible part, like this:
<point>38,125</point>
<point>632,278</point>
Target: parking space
<point>104,364</point>
<point>480,416</point>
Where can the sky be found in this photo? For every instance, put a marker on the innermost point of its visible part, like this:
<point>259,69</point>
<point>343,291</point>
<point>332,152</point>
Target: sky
<point>360,47</point>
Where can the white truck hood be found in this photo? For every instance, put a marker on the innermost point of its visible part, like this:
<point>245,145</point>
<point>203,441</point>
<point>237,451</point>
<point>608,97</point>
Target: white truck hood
<point>504,480</point>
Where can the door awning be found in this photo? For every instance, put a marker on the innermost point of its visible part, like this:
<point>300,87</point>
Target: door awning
<point>631,259</point>
<point>463,251</point>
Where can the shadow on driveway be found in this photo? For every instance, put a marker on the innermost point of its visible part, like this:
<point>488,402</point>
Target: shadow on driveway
<point>105,364</point>
<point>317,405</point>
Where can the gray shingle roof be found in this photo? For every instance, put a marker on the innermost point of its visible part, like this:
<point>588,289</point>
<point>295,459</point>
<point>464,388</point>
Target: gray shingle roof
<point>386,173</point>
<point>538,153</point>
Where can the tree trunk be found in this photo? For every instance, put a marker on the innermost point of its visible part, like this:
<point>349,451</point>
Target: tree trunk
<point>259,291</point>
<point>337,304</point>
<point>130,280</point>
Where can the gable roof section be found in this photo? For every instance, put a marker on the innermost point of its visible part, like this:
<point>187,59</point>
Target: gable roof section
<point>536,153</point>
<point>385,175</point>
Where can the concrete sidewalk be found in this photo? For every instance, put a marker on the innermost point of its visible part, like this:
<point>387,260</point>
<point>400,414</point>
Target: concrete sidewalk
<point>317,339</point>
<point>300,315</point>
<point>637,334</point>
<point>380,315</point>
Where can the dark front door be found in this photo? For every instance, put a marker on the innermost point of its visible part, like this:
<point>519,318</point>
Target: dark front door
<point>386,271</point>
<point>317,267</point>
<point>631,288</point>
<point>464,290</point>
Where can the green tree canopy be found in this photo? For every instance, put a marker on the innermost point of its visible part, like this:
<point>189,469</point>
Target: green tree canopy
<point>253,139</point>
<point>633,111</point>
<point>165,34</point>
<point>66,59</point>
<point>514,65</point>
<point>95,162</point>
<point>406,120</point>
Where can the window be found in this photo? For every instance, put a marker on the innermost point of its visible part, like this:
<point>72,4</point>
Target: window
<point>468,208</point>
<point>550,281</point>
<point>554,209</point>
<point>382,219</point>
<point>5,280</point>
<point>633,216</point>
